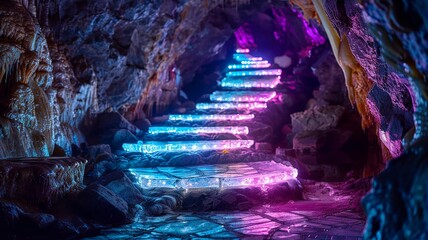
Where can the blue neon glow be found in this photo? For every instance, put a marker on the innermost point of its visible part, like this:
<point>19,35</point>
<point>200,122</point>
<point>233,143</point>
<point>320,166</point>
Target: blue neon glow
<point>225,105</point>
<point>242,96</point>
<point>154,146</point>
<point>199,130</point>
<point>210,117</point>
<point>245,57</point>
<point>265,72</point>
<point>270,82</point>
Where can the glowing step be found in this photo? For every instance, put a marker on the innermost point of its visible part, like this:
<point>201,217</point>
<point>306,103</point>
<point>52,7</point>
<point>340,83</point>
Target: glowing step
<point>242,50</point>
<point>246,66</point>
<point>245,57</point>
<point>198,130</point>
<point>250,83</point>
<point>210,117</point>
<point>242,96</point>
<point>223,106</point>
<point>222,176</point>
<point>180,146</point>
<point>266,72</point>
<point>255,62</point>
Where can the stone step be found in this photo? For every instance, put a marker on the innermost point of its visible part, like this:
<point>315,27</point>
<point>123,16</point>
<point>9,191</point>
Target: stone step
<point>263,72</point>
<point>218,187</point>
<point>246,57</point>
<point>185,146</point>
<point>209,117</point>
<point>221,176</point>
<point>255,65</point>
<point>226,105</point>
<point>242,96</point>
<point>270,82</point>
<point>154,130</point>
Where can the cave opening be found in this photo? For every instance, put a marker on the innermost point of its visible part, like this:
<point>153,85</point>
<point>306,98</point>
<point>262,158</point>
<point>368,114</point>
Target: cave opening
<point>237,119</point>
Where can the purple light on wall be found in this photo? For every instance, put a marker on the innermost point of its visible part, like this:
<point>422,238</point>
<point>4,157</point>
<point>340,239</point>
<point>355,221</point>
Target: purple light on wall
<point>311,31</point>
<point>244,37</point>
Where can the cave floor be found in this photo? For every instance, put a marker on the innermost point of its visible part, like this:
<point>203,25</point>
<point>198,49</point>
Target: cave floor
<point>329,211</point>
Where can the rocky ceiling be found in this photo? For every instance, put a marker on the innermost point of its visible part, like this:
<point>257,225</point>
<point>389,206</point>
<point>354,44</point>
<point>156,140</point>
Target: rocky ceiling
<point>62,62</point>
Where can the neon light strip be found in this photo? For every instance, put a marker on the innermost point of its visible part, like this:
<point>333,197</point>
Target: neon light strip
<point>212,117</point>
<point>245,66</point>
<point>248,83</point>
<point>245,57</point>
<point>185,130</point>
<point>241,96</point>
<point>268,72</point>
<point>153,146</point>
<point>255,62</point>
<point>242,50</point>
<point>252,105</point>
<point>215,176</point>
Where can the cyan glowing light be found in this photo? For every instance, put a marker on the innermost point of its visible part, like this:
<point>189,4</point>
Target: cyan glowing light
<point>210,117</point>
<point>246,66</point>
<point>255,62</point>
<point>271,82</point>
<point>186,130</point>
<point>153,146</point>
<point>251,105</point>
<point>255,174</point>
<point>242,96</point>
<point>242,50</point>
<point>266,72</point>
<point>245,57</point>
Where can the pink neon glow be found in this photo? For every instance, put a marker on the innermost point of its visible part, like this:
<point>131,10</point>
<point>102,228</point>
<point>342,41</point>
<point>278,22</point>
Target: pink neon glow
<point>225,105</point>
<point>242,96</point>
<point>242,50</point>
<point>250,83</point>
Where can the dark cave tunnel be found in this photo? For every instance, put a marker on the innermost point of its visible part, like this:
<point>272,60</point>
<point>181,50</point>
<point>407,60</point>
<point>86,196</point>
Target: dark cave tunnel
<point>225,119</point>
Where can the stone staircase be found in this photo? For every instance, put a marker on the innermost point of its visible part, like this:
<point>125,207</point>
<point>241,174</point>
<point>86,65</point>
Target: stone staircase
<point>218,156</point>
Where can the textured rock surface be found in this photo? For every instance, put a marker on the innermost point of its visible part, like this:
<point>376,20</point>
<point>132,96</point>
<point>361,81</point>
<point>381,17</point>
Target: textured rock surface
<point>40,181</point>
<point>100,203</point>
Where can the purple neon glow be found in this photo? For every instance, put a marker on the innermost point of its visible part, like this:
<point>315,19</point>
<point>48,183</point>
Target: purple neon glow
<point>242,50</point>
<point>251,105</point>
<point>250,83</point>
<point>242,96</point>
<point>244,37</point>
<point>210,117</point>
<point>256,174</point>
<point>198,130</point>
<point>267,72</point>
<point>180,146</point>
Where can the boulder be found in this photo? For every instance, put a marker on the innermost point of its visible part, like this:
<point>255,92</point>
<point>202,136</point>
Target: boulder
<point>116,137</point>
<point>95,150</point>
<point>99,203</point>
<point>143,124</point>
<point>309,141</point>
<point>10,215</point>
<point>121,185</point>
<point>114,120</point>
<point>40,181</point>
<point>317,118</point>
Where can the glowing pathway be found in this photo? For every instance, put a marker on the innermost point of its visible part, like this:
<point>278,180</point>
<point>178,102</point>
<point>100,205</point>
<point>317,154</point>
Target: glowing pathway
<point>266,72</point>
<point>215,176</point>
<point>198,130</point>
<point>210,117</point>
<point>180,146</point>
<point>223,106</point>
<point>242,96</point>
<point>271,82</point>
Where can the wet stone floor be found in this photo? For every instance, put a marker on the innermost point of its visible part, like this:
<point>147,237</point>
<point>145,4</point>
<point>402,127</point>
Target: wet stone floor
<point>328,212</point>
